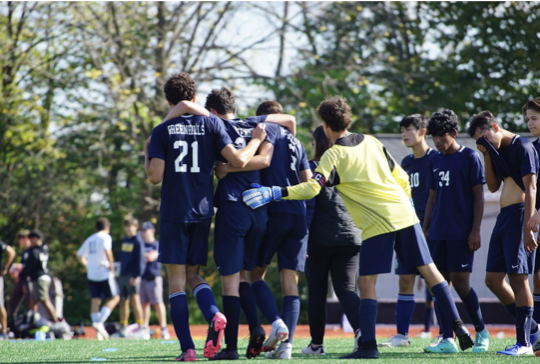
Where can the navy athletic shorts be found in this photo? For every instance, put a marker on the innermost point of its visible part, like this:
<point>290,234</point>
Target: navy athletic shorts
<point>184,242</point>
<point>287,235</point>
<point>400,269</point>
<point>506,250</point>
<point>103,289</point>
<point>451,255</point>
<point>410,246</point>
<point>238,234</point>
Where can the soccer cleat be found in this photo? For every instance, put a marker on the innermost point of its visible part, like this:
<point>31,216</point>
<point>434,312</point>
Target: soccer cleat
<point>225,355</point>
<point>436,341</point>
<point>516,350</point>
<point>424,335</point>
<point>215,332</point>
<point>256,339</point>
<point>357,340</point>
<point>165,334</point>
<point>445,346</point>
<point>142,333</point>
<point>481,341</point>
<point>535,340</point>
<point>310,350</point>
<point>120,334</point>
<point>188,355</point>
<point>463,335</point>
<point>397,341</point>
<point>283,351</point>
<point>278,333</point>
<point>100,328</point>
<point>362,354</point>
<point>4,336</point>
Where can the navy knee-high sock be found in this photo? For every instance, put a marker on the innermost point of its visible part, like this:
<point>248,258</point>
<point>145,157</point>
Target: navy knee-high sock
<point>180,319</point>
<point>445,301</point>
<point>473,309</point>
<point>523,324</point>
<point>368,317</point>
<point>428,318</point>
<point>231,310</point>
<point>511,308</point>
<point>265,301</point>
<point>206,301</point>
<point>444,324</point>
<point>438,315</point>
<point>404,311</point>
<point>536,312</point>
<point>290,312</point>
<point>248,304</point>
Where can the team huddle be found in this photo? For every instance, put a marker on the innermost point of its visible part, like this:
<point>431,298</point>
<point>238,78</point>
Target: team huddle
<point>428,211</point>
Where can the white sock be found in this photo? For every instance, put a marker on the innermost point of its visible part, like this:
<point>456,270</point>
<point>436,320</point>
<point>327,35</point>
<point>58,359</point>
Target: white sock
<point>95,317</point>
<point>105,313</point>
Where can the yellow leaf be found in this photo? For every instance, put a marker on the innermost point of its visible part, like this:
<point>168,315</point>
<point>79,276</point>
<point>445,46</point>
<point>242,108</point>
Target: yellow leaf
<point>302,104</point>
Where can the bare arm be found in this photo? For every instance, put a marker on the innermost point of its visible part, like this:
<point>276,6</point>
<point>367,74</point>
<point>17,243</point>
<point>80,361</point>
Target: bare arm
<point>240,158</point>
<point>83,260</point>
<point>111,259</point>
<point>493,182</point>
<point>186,107</point>
<point>474,236</point>
<point>429,210</point>
<point>284,120</point>
<point>151,256</point>
<point>529,181</point>
<point>305,175</point>
<point>10,255</point>
<point>258,162</point>
<point>154,167</point>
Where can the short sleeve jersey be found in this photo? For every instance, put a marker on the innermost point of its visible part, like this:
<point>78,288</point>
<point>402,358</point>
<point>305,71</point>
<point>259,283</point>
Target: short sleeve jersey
<point>189,145</point>
<point>418,169</point>
<point>93,249</point>
<point>521,155</point>
<point>288,160</point>
<point>536,145</point>
<point>233,185</point>
<point>153,269</point>
<point>452,177</point>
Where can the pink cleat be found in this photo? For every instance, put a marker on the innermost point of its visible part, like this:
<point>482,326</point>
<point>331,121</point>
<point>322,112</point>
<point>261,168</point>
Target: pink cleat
<point>215,333</point>
<point>188,355</point>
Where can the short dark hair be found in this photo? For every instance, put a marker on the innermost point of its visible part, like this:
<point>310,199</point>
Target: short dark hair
<point>222,100</point>
<point>130,220</point>
<point>442,122</point>
<point>483,120</point>
<point>322,143</point>
<point>335,113</point>
<point>179,87</point>
<point>36,234</point>
<point>533,104</point>
<point>23,234</point>
<point>102,223</point>
<point>269,107</point>
<point>418,120</point>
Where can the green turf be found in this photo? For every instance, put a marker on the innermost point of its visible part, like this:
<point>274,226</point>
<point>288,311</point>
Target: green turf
<point>82,351</point>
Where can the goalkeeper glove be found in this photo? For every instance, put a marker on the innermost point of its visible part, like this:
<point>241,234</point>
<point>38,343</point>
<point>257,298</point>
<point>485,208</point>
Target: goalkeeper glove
<point>260,195</point>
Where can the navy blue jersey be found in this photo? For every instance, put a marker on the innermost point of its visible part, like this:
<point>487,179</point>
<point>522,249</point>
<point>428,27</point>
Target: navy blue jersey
<point>233,185</point>
<point>3,247</point>
<point>522,157</point>
<point>453,177</point>
<point>132,260</point>
<point>153,269</point>
<point>536,145</point>
<point>418,170</point>
<point>288,160</point>
<point>189,145</point>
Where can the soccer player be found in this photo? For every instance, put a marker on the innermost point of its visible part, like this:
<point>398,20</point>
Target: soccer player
<point>181,153</point>
<point>512,159</point>
<point>132,264</point>
<point>36,269</point>
<point>96,255</point>
<point>413,133</point>
<point>20,291</point>
<point>531,113</point>
<point>452,221</point>
<point>10,255</point>
<point>152,281</point>
<point>287,223</point>
<point>376,192</point>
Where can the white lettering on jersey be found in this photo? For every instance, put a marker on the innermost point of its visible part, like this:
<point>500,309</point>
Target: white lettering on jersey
<point>186,129</point>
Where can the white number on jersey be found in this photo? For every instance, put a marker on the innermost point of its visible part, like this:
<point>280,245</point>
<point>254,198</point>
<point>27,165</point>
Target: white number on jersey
<point>415,179</point>
<point>92,247</point>
<point>44,258</point>
<point>183,145</point>
<point>445,177</point>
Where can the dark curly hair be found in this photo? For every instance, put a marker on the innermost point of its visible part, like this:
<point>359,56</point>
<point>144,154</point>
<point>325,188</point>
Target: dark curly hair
<point>269,107</point>
<point>335,113</point>
<point>442,122</point>
<point>179,87</point>
<point>222,100</point>
<point>533,104</point>
<point>418,120</point>
<point>483,120</point>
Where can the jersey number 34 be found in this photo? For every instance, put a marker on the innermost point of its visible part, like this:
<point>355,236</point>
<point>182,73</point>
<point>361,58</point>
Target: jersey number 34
<point>445,177</point>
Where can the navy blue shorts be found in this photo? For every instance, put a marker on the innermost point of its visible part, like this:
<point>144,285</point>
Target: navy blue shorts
<point>184,242</point>
<point>399,268</point>
<point>103,289</point>
<point>506,250</point>
<point>238,234</point>
<point>410,246</point>
<point>451,255</point>
<point>287,235</point>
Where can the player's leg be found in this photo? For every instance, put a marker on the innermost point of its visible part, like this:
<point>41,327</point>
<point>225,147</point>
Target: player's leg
<point>146,314</point>
<point>257,334</point>
<point>404,310</point>
<point>202,292</point>
<point>135,301</point>
<point>536,291</point>
<point>123,283</point>
<point>156,299</point>
<point>3,313</point>
<point>524,303</point>
<point>43,283</point>
<point>428,315</point>
<point>112,292</point>
<point>16,298</point>
<point>144,297</point>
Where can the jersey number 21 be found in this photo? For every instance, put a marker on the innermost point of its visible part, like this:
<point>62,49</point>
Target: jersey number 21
<point>184,148</point>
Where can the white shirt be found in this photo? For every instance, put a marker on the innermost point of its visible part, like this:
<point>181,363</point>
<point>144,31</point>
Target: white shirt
<point>93,249</point>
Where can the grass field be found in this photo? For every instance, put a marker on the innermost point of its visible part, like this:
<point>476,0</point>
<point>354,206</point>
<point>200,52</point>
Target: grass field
<point>82,351</point>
